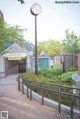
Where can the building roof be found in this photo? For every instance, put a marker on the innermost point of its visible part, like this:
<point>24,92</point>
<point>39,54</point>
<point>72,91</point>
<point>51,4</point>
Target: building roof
<point>6,45</point>
<point>16,48</point>
<point>28,46</point>
<point>43,53</point>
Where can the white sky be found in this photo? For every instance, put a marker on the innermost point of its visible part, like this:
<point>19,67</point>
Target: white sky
<point>52,22</point>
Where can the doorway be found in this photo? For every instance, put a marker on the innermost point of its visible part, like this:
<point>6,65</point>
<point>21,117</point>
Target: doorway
<point>15,66</point>
<point>22,66</point>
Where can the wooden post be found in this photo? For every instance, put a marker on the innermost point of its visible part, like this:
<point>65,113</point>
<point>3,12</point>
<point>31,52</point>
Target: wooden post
<point>63,64</point>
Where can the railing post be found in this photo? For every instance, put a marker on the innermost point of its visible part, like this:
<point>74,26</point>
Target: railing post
<point>59,101</point>
<point>30,90</point>
<point>27,90</point>
<point>18,84</point>
<point>42,95</point>
<point>22,87</point>
<point>79,103</point>
<point>71,104</point>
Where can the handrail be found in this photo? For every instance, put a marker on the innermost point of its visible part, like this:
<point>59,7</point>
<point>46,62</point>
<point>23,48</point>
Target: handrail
<point>41,86</point>
<point>71,87</point>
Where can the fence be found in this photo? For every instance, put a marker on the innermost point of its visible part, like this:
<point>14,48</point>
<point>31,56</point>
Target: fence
<point>67,62</point>
<point>41,86</point>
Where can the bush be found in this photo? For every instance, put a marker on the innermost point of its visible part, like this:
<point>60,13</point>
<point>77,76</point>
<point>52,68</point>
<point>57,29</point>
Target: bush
<point>56,71</point>
<point>44,72</point>
<point>50,72</point>
<point>59,78</point>
<point>48,94</point>
<point>66,77</point>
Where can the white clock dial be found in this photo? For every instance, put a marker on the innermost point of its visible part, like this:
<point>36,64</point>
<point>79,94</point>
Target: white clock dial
<point>36,9</point>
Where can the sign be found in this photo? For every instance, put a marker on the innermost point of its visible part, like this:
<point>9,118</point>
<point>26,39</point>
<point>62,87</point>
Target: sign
<point>15,55</point>
<point>14,58</point>
<point>74,90</point>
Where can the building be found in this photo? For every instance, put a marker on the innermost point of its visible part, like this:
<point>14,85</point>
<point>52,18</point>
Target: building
<point>43,61</point>
<point>16,58</point>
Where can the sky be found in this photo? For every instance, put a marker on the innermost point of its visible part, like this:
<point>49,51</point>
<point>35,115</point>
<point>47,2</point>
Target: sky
<point>52,22</point>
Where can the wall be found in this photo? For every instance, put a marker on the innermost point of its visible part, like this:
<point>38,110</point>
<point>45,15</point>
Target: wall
<point>42,62</point>
<point>2,66</point>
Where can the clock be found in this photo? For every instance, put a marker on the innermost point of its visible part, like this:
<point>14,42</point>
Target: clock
<point>35,9</point>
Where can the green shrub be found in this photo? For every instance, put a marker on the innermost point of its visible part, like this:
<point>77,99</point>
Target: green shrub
<point>50,72</point>
<point>59,78</point>
<point>40,78</point>
<point>44,71</point>
<point>66,77</point>
<point>56,71</point>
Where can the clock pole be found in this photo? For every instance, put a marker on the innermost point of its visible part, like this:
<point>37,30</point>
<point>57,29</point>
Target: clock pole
<point>36,63</point>
<point>36,10</point>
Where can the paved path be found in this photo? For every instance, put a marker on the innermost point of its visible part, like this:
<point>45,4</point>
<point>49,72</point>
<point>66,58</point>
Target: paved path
<point>18,106</point>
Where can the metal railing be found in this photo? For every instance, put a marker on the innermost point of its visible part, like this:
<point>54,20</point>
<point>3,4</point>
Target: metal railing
<point>42,87</point>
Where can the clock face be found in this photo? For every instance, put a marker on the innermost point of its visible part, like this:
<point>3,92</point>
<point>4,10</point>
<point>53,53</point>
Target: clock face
<point>35,9</point>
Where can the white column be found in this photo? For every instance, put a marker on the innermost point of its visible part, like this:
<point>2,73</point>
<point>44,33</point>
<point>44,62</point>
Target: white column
<point>2,66</point>
<point>28,63</point>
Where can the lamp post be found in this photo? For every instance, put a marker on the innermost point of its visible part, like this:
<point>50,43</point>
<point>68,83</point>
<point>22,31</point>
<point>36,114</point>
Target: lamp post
<point>35,10</point>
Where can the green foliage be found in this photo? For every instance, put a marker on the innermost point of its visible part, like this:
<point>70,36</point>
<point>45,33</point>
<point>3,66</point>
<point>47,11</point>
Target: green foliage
<point>32,76</point>
<point>53,76</point>
<point>66,77</point>
<point>1,32</point>
<point>55,80</point>
<point>71,44</point>
<point>44,71</point>
<point>50,47</point>
<point>21,1</point>
<point>13,32</point>
<point>1,22</point>
<point>29,76</point>
<point>50,72</point>
<point>56,71</point>
<point>72,68</point>
<point>10,34</point>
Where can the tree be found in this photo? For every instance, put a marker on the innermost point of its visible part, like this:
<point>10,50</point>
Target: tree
<point>50,47</point>
<point>10,34</point>
<point>1,29</point>
<point>21,1</point>
<point>13,32</point>
<point>71,44</point>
